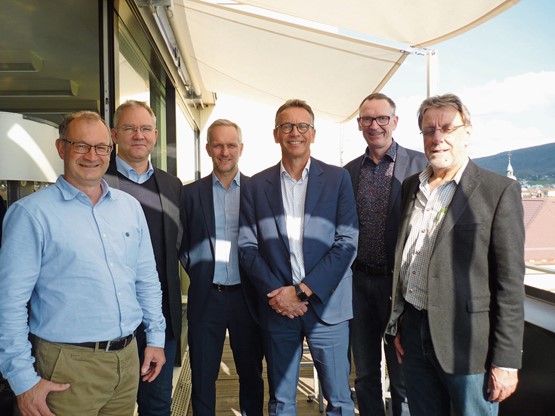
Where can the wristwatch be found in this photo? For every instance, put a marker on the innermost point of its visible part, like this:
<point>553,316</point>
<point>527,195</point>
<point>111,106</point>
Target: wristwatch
<point>303,297</point>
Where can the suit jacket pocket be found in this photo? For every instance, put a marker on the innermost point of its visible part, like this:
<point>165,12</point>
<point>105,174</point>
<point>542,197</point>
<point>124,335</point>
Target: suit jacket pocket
<point>479,304</point>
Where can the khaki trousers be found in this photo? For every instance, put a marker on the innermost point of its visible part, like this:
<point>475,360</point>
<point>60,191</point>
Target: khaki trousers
<point>102,383</point>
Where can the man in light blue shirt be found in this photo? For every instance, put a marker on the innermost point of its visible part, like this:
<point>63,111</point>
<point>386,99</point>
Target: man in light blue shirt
<point>80,254</point>
<point>219,299</point>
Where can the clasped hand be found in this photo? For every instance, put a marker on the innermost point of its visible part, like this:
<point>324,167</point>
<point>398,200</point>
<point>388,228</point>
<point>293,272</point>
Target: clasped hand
<point>285,302</point>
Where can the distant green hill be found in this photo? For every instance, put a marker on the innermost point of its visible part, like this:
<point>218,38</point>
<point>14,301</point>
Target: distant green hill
<point>532,163</point>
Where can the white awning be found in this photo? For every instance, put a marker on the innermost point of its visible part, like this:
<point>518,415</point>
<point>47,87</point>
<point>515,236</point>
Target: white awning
<point>269,58</point>
<point>414,22</point>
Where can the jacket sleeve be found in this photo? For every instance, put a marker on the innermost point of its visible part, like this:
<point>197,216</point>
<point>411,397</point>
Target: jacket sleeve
<point>507,282</point>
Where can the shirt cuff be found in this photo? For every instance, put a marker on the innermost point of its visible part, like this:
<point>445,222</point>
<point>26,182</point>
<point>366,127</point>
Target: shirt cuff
<point>23,381</point>
<point>156,339</point>
<point>506,368</point>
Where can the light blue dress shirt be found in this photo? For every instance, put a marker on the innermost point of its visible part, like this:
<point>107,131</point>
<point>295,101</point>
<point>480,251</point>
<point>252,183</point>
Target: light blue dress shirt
<point>89,272</point>
<point>126,170</point>
<point>226,213</point>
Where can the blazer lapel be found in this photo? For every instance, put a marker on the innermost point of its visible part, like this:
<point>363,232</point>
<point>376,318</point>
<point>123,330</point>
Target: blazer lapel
<point>169,208</point>
<point>399,173</point>
<point>207,208</point>
<point>314,189</point>
<point>406,212</point>
<point>275,201</point>
<point>466,187</point>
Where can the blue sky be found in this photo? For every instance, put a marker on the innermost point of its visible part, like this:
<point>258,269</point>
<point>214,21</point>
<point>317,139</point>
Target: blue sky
<point>504,70</point>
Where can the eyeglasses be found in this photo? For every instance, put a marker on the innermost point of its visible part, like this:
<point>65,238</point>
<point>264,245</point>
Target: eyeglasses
<point>129,129</point>
<point>446,130</point>
<point>288,127</point>
<point>84,148</point>
<point>381,120</point>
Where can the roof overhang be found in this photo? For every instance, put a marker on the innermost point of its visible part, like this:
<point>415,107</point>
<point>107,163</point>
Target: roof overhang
<point>326,52</point>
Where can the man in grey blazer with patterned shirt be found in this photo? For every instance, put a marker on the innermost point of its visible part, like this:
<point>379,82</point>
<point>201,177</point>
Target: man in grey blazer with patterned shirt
<point>458,287</point>
<point>377,176</point>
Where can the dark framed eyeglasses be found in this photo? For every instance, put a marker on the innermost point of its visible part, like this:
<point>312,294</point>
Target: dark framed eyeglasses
<point>288,127</point>
<point>381,120</point>
<point>84,148</point>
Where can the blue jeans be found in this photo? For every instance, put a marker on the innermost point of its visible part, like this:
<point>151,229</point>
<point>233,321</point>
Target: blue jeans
<point>371,304</point>
<point>329,347</point>
<point>155,398</point>
<point>431,391</point>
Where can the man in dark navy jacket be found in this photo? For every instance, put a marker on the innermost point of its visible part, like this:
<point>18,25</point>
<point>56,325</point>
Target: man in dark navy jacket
<point>219,297</point>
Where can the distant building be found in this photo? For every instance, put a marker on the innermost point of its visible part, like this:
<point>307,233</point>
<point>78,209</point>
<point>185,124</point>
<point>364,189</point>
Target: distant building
<point>510,173</point>
<point>539,223</point>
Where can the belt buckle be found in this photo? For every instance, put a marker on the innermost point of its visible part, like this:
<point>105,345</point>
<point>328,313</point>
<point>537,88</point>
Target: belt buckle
<point>220,288</point>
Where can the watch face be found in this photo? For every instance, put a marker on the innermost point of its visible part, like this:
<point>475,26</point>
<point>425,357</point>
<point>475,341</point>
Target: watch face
<point>300,294</point>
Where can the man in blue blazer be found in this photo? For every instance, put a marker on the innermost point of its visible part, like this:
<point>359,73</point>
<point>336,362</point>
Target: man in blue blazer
<point>458,290</point>
<point>377,176</point>
<point>219,298</point>
<point>297,240</point>
<point>159,193</point>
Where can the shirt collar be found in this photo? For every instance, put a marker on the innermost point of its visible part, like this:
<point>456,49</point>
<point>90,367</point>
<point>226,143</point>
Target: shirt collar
<point>306,170</point>
<point>129,172</point>
<point>391,153</point>
<point>427,173</point>
<point>236,179</point>
<point>70,192</point>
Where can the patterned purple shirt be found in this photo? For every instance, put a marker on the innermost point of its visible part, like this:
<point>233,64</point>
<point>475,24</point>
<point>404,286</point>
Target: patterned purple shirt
<point>372,196</point>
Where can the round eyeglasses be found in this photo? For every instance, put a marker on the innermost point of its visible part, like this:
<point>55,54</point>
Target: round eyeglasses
<point>288,127</point>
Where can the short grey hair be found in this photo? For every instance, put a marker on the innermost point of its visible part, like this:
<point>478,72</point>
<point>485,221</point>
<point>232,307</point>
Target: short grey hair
<point>81,115</point>
<point>442,101</point>
<point>130,104</point>
<point>223,122</point>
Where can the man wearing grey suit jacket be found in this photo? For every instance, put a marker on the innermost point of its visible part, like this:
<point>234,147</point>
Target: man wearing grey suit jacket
<point>219,296</point>
<point>377,176</point>
<point>458,286</point>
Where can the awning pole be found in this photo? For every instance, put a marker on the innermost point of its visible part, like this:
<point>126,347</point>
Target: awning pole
<point>432,72</point>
